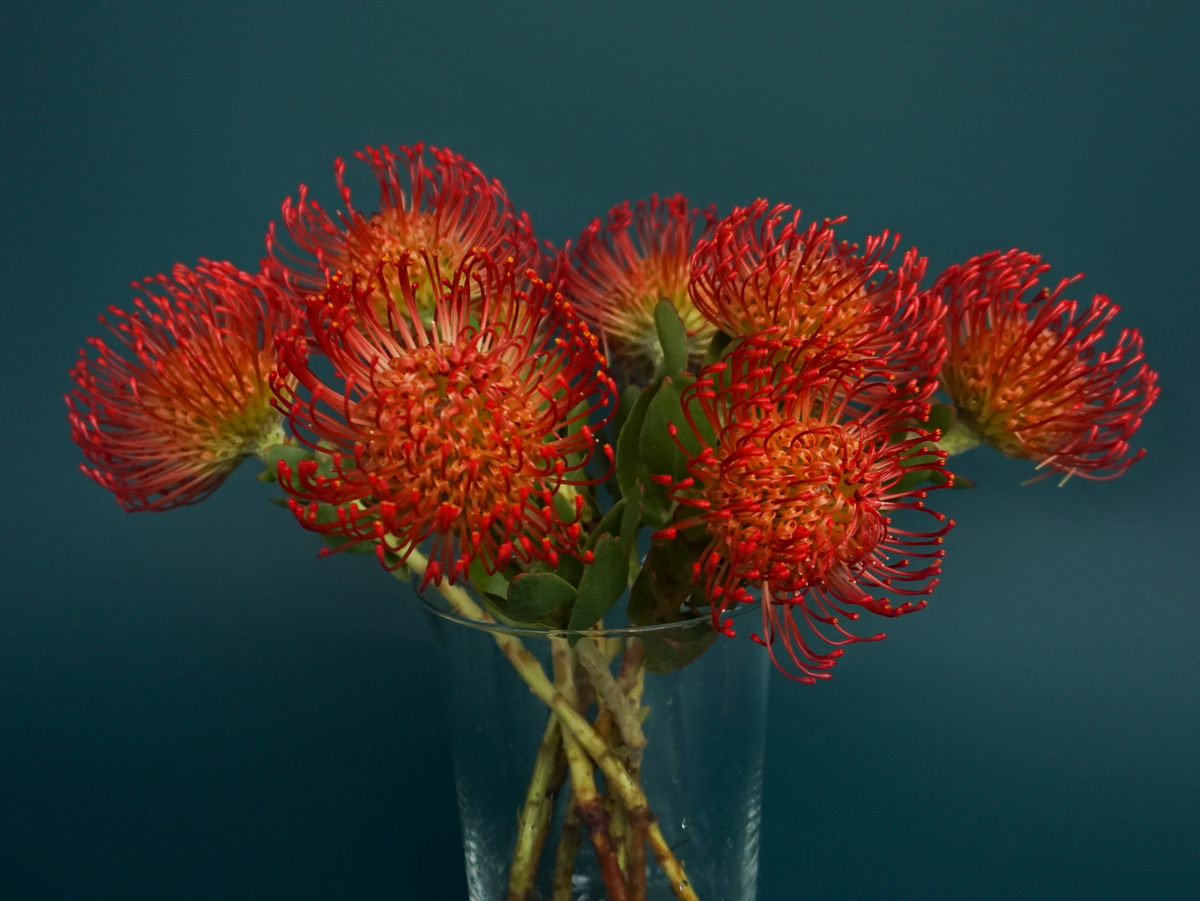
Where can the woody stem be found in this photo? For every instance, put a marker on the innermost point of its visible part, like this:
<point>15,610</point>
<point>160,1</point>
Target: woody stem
<point>576,726</point>
<point>534,821</point>
<point>583,781</point>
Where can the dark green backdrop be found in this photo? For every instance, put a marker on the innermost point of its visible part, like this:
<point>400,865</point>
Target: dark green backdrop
<point>193,706</point>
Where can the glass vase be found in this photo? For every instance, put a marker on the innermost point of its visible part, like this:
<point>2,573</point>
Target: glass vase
<point>703,701</point>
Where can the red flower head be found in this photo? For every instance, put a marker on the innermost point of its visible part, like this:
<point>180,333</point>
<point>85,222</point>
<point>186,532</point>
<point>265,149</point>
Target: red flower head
<point>169,415</point>
<point>469,430</point>
<point>753,275</point>
<point>801,454</point>
<point>621,270</point>
<point>1025,374</point>
<point>445,211</point>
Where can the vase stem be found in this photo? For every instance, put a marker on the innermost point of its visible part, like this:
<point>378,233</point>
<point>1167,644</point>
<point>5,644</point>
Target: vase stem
<point>625,716</point>
<point>580,742</point>
<point>548,774</point>
<point>583,781</point>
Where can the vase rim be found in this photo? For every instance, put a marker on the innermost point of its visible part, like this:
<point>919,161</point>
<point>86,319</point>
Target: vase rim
<point>524,631</point>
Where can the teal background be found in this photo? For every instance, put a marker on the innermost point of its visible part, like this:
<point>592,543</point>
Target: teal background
<point>193,706</point>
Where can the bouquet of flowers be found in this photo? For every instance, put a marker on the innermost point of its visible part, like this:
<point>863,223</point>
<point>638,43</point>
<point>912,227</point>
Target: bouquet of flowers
<point>677,417</point>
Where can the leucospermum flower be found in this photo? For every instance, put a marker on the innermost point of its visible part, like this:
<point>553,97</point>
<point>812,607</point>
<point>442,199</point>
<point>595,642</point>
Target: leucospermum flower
<point>463,431</point>
<point>762,268</point>
<point>622,268</point>
<point>795,484</point>
<point>183,397</point>
<point>443,211</point>
<point>1027,376</point>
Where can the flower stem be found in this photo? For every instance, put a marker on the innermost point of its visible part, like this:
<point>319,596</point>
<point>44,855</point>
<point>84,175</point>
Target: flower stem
<point>568,849</point>
<point>575,726</point>
<point>534,821</point>
<point>583,782</point>
<point>631,679</point>
<point>614,699</point>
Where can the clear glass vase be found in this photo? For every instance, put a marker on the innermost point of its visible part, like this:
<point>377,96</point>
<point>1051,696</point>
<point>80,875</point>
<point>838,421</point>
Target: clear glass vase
<point>701,767</point>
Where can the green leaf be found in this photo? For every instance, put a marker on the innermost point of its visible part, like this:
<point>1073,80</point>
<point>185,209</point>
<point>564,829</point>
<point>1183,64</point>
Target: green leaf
<point>570,568</point>
<point>359,548</point>
<point>629,463</point>
<point>603,582</point>
<point>402,572</point>
<point>629,397</point>
<point>327,513</point>
<point>532,595</point>
<point>609,524</point>
<point>672,336</point>
<point>716,348</point>
<point>631,517</point>
<point>493,605</point>
<point>292,454</point>
<point>564,506</point>
<point>664,586</point>
<point>940,417</point>
<point>961,482</point>
<point>675,649</point>
<point>490,583</point>
<point>659,452</point>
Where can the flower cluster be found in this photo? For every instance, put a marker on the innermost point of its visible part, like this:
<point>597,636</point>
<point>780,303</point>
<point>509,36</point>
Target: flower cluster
<point>449,397</point>
<point>426,386</point>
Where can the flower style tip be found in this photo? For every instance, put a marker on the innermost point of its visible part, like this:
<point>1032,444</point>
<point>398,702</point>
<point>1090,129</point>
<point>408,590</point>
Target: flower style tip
<point>445,209</point>
<point>167,414</point>
<point>1027,376</point>
<point>796,462</point>
<point>470,431</point>
<point>762,268</point>
<point>620,269</point>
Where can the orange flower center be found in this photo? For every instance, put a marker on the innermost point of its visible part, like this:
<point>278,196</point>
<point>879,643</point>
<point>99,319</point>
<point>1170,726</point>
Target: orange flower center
<point>446,428</point>
<point>800,497</point>
<point>819,295</point>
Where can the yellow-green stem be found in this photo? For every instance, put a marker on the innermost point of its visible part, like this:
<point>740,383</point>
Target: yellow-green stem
<point>583,781</point>
<point>534,820</point>
<point>575,725</point>
<point>569,843</point>
<point>614,699</point>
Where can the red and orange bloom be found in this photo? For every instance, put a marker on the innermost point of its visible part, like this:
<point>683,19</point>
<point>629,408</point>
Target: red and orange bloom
<point>1026,375</point>
<point>444,211</point>
<point>462,430</point>
<point>762,268</point>
<point>621,269</point>
<point>802,452</point>
<point>168,414</point>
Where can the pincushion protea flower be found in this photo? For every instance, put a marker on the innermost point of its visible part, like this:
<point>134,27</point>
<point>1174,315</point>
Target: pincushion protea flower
<point>165,417</point>
<point>444,210</point>
<point>620,270</point>
<point>462,430</point>
<point>1025,373</point>
<point>801,451</point>
<point>763,269</point>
